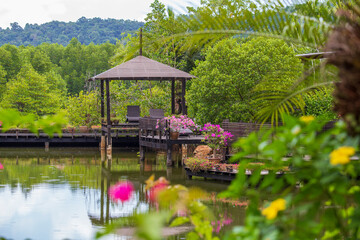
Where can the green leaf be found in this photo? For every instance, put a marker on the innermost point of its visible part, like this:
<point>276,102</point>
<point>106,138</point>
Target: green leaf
<point>179,221</point>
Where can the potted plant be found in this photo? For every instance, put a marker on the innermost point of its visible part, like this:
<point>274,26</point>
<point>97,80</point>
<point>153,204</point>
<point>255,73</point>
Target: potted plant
<point>70,129</point>
<point>197,164</point>
<point>176,124</point>
<point>215,137</point>
<point>84,129</point>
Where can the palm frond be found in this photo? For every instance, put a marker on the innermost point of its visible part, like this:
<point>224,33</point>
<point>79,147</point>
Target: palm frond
<point>273,105</point>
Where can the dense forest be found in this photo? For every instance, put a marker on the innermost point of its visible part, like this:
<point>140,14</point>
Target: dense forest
<point>232,70</point>
<point>94,30</point>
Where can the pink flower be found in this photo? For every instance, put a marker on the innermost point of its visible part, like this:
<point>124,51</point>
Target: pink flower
<point>213,135</point>
<point>121,191</point>
<point>1,167</point>
<point>154,191</point>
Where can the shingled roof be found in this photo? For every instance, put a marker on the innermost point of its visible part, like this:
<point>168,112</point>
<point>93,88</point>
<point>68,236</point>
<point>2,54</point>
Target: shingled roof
<point>143,68</point>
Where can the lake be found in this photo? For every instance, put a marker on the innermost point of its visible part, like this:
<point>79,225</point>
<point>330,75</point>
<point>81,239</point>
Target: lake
<point>62,193</point>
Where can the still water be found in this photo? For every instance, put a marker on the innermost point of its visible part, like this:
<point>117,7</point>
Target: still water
<point>62,193</point>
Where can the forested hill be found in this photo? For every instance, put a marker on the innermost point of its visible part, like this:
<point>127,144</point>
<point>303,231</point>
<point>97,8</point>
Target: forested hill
<point>86,30</point>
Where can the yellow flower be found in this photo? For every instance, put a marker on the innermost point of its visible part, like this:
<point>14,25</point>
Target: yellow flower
<point>307,119</point>
<point>347,150</point>
<point>269,212</point>
<point>279,204</point>
<point>276,206</point>
<point>341,155</point>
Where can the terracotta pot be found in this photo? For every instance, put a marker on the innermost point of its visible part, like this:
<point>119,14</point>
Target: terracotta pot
<point>215,160</point>
<point>229,168</point>
<point>70,129</point>
<point>174,135</point>
<point>84,129</point>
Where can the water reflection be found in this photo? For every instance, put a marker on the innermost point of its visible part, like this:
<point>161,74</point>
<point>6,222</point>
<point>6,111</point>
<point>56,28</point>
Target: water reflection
<point>63,193</point>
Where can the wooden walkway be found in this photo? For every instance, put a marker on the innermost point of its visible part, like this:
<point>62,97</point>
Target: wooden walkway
<point>122,134</point>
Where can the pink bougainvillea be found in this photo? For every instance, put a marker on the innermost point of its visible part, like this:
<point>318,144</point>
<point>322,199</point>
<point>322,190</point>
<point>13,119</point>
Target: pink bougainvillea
<point>155,187</point>
<point>177,123</point>
<point>215,136</point>
<point>154,191</point>
<point>122,191</point>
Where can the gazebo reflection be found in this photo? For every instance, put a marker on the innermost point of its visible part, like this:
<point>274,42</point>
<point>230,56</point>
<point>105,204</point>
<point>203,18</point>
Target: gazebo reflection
<point>101,210</point>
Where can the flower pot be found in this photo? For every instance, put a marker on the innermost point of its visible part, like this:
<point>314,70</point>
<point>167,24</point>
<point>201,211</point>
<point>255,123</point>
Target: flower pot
<point>215,160</point>
<point>174,135</point>
<point>229,168</point>
<point>70,129</point>
<point>84,129</point>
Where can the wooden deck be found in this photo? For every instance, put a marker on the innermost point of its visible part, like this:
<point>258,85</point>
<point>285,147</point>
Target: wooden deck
<point>164,143</point>
<point>121,134</point>
<point>156,135</point>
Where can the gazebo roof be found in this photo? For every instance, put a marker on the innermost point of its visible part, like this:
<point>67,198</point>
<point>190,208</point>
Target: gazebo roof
<point>143,68</point>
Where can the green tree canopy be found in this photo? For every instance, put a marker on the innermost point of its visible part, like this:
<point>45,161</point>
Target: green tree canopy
<point>30,92</point>
<point>84,109</point>
<point>233,72</point>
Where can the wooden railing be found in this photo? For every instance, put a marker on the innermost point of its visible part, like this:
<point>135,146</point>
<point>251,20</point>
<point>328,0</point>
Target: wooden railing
<point>241,129</point>
<point>154,127</point>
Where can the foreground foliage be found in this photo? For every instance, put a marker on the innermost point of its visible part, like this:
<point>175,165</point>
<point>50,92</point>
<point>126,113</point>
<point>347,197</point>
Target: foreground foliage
<point>321,193</point>
<point>48,124</point>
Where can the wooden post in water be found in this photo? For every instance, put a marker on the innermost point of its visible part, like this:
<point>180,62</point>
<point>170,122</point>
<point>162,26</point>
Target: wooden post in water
<point>47,146</point>
<point>184,153</point>
<point>168,172</point>
<point>109,152</point>
<point>103,155</point>
<point>142,153</point>
<point>168,156</point>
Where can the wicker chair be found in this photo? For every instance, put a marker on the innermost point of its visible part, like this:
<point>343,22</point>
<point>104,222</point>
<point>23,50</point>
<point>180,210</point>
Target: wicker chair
<point>133,114</point>
<point>156,113</point>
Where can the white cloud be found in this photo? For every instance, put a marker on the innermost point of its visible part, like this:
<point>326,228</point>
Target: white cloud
<point>41,11</point>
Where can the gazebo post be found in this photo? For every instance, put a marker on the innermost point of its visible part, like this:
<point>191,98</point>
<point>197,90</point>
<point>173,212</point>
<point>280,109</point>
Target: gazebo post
<point>183,105</point>
<point>172,96</point>
<point>102,99</point>
<point>102,144</point>
<point>108,117</point>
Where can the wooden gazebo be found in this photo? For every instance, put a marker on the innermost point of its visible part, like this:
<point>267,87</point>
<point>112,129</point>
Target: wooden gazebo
<point>141,68</point>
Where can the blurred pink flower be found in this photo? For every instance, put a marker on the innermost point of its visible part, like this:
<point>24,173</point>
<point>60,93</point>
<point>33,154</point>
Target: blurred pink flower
<point>1,167</point>
<point>154,191</point>
<point>121,191</point>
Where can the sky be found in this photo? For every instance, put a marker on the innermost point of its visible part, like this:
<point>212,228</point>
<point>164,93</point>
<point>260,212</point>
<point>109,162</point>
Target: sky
<point>41,11</point>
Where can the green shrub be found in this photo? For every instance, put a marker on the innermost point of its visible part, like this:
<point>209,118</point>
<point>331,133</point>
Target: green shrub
<point>196,164</point>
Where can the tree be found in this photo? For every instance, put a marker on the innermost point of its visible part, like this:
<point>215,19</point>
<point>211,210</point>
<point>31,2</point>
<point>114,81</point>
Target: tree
<point>215,20</point>
<point>84,109</point>
<point>80,62</point>
<point>2,81</point>
<point>10,60</point>
<point>231,73</point>
<point>31,93</point>
<point>145,94</point>
<point>87,30</point>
